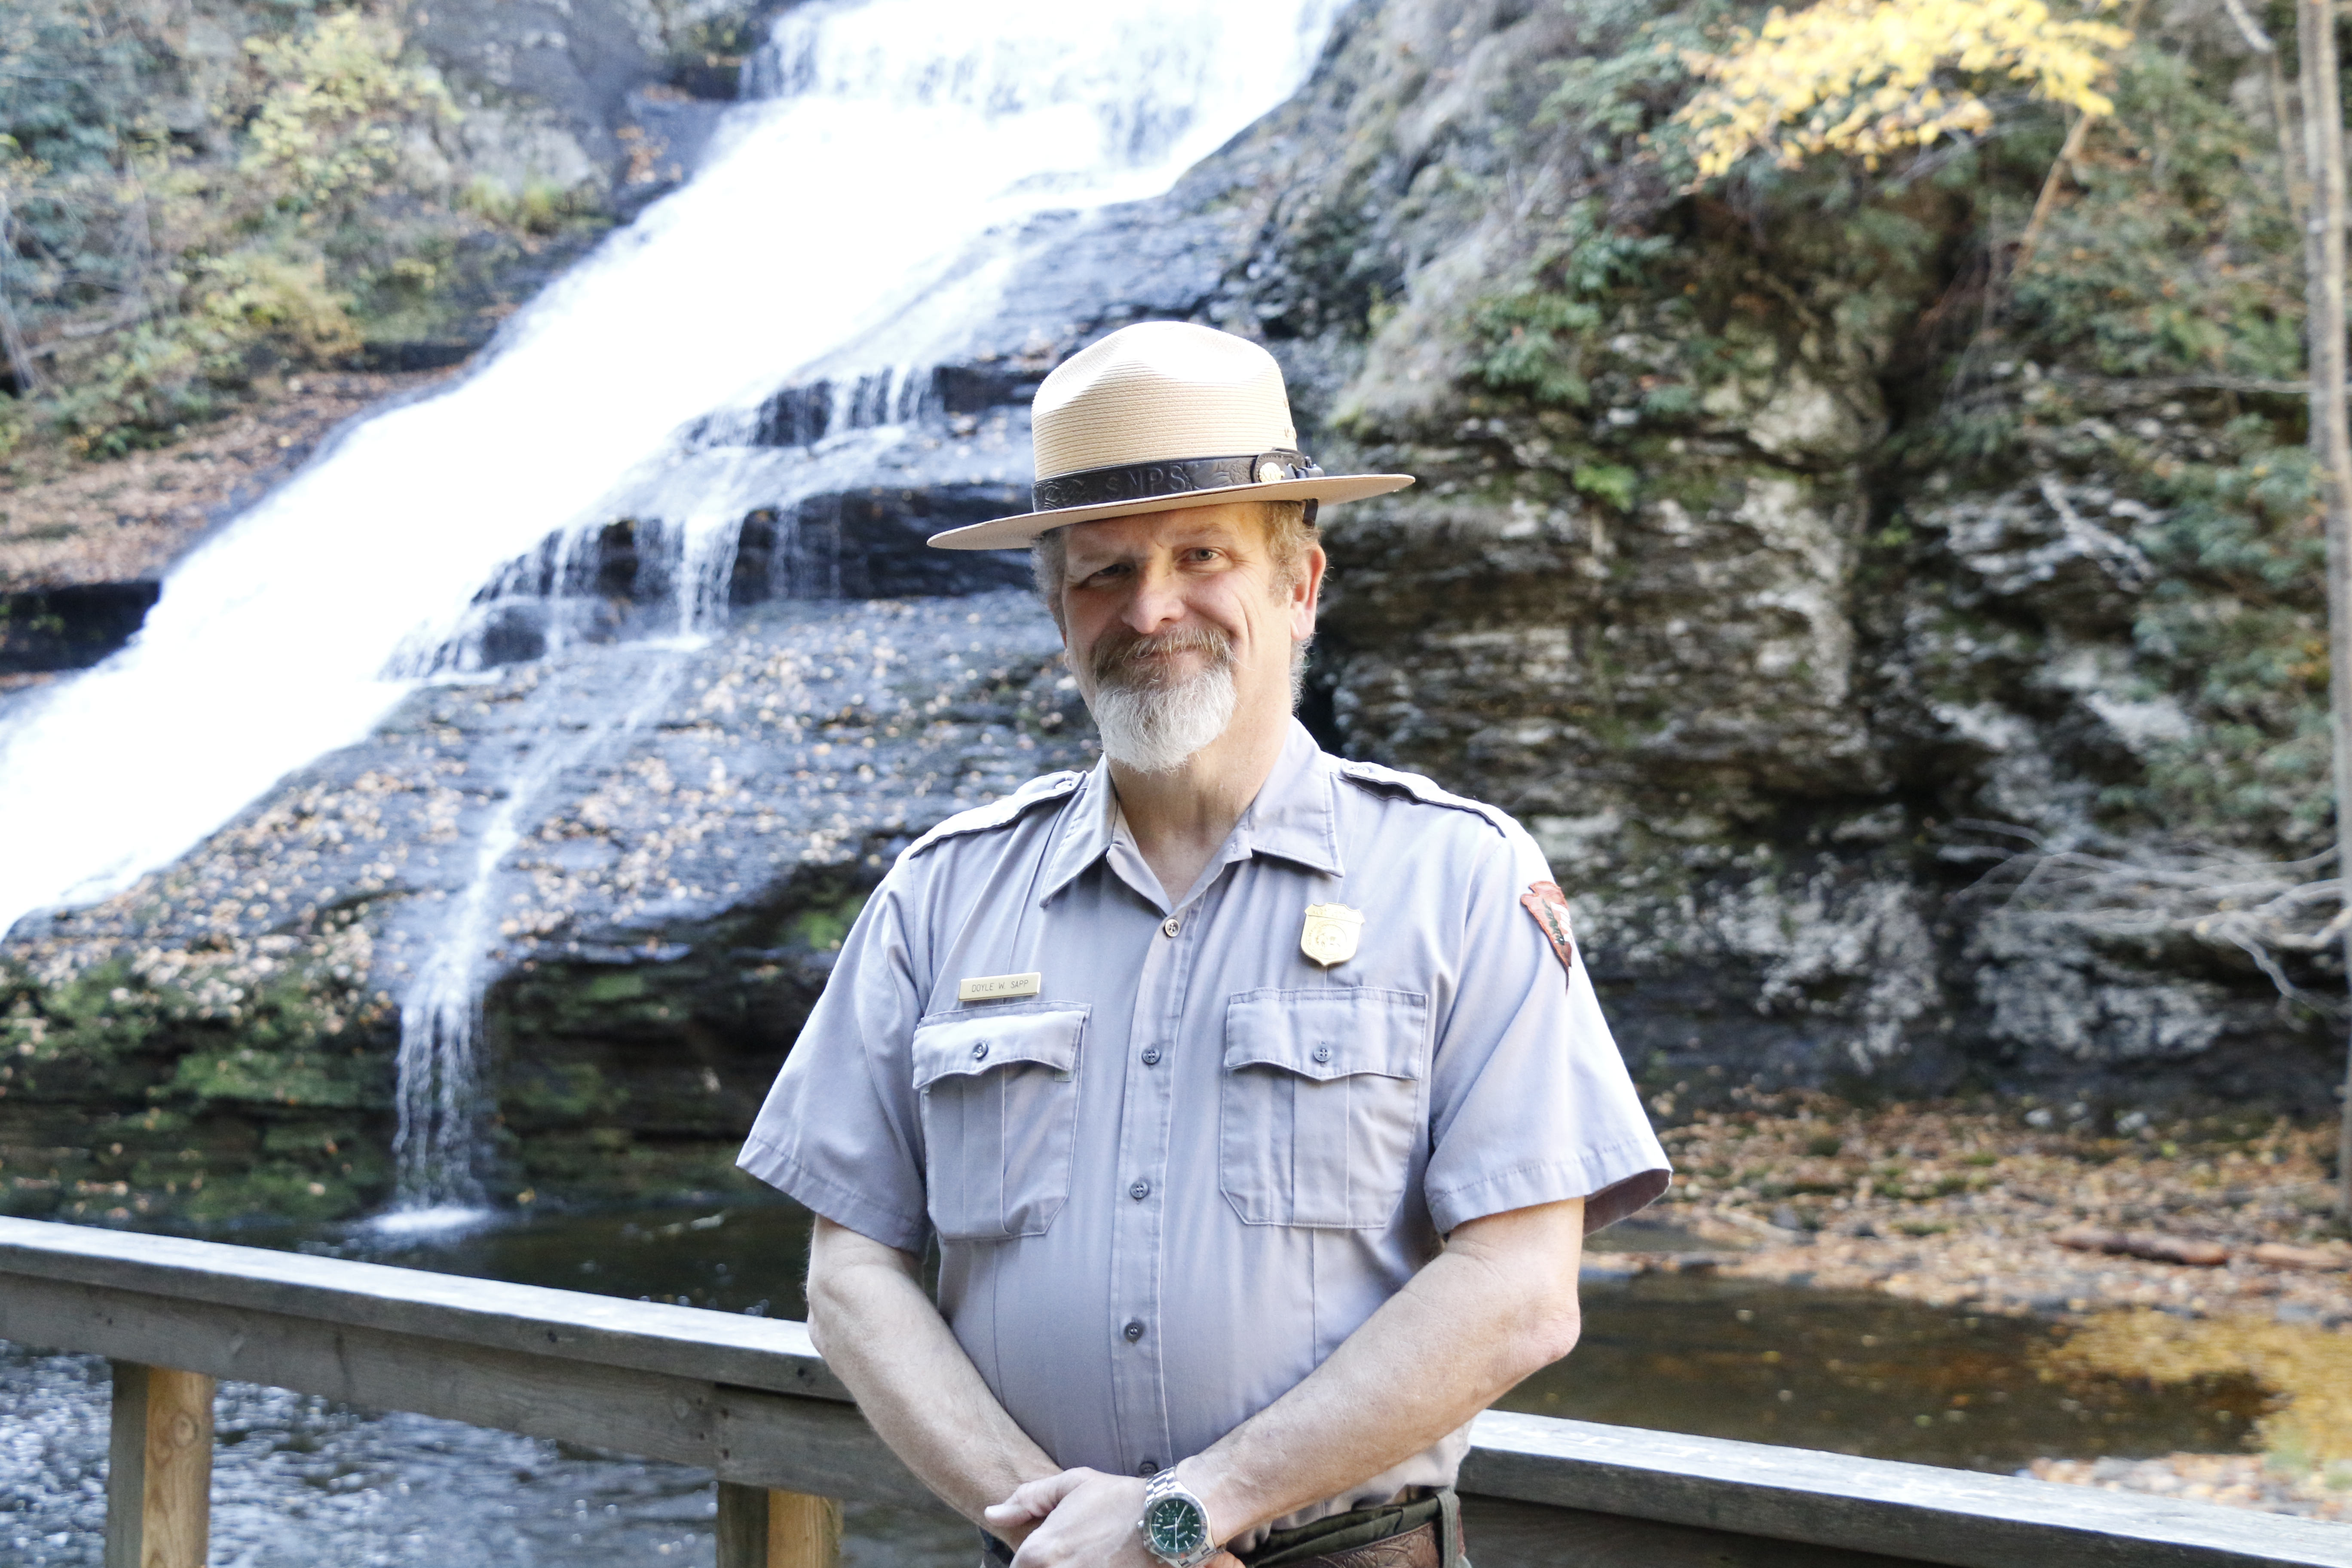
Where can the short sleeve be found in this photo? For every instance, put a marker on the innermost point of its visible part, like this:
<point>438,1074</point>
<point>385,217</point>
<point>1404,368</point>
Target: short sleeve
<point>1530,1102</point>
<point>840,1129</point>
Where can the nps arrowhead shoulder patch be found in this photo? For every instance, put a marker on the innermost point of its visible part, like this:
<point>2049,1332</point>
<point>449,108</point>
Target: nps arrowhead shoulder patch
<point>1550,906</point>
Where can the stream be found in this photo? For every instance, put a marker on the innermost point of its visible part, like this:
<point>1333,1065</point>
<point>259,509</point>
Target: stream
<point>299,1482</point>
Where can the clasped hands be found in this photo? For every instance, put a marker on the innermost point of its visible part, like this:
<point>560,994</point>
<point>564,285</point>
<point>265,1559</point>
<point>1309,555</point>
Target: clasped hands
<point>1080,1519</point>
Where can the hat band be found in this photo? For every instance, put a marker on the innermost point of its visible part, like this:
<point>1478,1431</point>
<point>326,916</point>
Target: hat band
<point>1148,481</point>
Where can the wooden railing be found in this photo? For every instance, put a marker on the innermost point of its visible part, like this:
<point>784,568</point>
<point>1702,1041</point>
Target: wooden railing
<point>749,1400</point>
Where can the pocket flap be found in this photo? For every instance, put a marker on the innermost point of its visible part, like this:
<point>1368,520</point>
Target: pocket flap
<point>988,1037</point>
<point>1328,1033</point>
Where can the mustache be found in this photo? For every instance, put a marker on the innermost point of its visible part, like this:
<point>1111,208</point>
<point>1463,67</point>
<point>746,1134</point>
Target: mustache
<point>1128,659</point>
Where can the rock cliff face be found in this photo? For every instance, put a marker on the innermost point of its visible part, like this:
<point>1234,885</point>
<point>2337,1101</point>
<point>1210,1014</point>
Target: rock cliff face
<point>1788,579</point>
<point>1909,674</point>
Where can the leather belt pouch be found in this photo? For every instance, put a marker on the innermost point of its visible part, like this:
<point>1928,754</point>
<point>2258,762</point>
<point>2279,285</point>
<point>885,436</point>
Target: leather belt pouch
<point>1423,1533</point>
<point>1413,1548</point>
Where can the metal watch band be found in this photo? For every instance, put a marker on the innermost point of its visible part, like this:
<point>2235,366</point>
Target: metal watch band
<point>1164,1484</point>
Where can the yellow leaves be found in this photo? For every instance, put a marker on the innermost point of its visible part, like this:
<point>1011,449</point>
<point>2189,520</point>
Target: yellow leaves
<point>337,93</point>
<point>2308,1368</point>
<point>286,297</point>
<point>1867,77</point>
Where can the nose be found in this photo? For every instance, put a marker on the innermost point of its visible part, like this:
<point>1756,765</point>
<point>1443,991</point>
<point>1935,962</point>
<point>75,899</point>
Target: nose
<point>1157,601</point>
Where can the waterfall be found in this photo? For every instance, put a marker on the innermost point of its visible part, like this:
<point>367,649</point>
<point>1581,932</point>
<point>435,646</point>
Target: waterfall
<point>437,1149</point>
<point>847,223</point>
<point>896,136</point>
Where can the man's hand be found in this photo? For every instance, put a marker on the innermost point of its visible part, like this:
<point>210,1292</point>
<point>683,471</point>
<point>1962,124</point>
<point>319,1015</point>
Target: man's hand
<point>1080,1518</point>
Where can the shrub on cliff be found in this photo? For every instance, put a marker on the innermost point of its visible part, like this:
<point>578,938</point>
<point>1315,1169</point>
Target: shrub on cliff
<point>182,210</point>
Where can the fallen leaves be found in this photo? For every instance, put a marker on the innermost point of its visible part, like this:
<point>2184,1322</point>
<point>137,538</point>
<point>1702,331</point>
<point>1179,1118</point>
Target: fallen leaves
<point>1975,1206</point>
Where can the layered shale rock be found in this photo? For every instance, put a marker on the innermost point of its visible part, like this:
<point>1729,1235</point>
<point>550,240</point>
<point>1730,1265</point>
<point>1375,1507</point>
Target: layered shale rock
<point>673,876</point>
<point>1909,701</point>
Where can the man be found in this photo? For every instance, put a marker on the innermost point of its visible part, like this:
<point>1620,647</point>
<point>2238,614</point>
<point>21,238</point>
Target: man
<point>1257,1099</point>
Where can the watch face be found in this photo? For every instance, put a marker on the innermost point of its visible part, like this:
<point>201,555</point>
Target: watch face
<point>1175,1527</point>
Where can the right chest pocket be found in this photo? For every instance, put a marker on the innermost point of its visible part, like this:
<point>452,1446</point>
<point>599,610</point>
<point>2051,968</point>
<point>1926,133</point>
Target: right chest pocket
<point>999,1092</point>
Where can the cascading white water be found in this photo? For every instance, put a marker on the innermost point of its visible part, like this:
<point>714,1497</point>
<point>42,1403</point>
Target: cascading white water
<point>439,1145</point>
<point>899,133</point>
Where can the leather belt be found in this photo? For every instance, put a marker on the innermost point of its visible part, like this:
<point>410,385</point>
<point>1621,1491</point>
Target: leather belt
<point>1413,1548</point>
<point>1434,1545</point>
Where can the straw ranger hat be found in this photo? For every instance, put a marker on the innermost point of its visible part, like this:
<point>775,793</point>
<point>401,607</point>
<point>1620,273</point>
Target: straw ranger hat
<point>1159,416</point>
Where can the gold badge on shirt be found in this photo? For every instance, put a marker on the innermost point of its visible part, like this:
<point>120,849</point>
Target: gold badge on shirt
<point>1330,934</point>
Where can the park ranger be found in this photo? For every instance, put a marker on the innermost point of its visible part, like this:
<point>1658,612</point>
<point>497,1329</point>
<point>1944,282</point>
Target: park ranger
<point>1258,1100</point>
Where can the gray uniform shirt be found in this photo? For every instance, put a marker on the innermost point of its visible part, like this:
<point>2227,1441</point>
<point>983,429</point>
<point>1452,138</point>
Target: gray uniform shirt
<point>1167,1184</point>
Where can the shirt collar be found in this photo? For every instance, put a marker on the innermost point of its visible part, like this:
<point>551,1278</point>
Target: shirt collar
<point>1293,818</point>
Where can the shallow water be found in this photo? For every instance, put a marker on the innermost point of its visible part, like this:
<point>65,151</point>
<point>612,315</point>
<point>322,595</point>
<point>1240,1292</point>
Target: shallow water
<point>301,1483</point>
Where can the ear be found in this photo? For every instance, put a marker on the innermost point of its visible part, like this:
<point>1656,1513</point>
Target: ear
<point>1307,593</point>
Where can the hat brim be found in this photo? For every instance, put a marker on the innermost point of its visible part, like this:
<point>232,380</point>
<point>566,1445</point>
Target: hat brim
<point>1012,532</point>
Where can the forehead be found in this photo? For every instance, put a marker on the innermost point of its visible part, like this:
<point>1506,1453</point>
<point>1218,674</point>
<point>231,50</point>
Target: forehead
<point>1120,538</point>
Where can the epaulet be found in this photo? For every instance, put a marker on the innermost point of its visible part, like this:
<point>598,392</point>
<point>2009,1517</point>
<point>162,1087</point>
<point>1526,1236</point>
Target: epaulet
<point>1373,777</point>
<point>1000,813</point>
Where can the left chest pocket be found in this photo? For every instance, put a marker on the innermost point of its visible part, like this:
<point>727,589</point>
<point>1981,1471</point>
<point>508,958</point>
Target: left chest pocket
<point>998,1094</point>
<point>1320,1105</point>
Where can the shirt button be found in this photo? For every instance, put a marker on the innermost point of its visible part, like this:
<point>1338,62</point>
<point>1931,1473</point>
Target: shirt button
<point>1134,1330</point>
<point>1322,1053</point>
<point>979,1049</point>
<point>1140,1191</point>
<point>1171,926</point>
<point>1149,1468</point>
<point>1152,1056</point>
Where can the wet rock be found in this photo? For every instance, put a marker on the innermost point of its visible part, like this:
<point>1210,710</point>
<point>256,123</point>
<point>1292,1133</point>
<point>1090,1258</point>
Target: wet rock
<point>72,626</point>
<point>696,828</point>
<point>1739,667</point>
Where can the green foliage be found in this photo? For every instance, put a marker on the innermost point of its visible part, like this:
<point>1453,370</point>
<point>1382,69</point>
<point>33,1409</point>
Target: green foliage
<point>1537,336</point>
<point>1633,75</point>
<point>826,926</point>
<point>175,222</point>
<point>2237,630</point>
<point>541,207</point>
<point>248,1074</point>
<point>2173,255</point>
<point>1612,482</point>
<point>2177,255</point>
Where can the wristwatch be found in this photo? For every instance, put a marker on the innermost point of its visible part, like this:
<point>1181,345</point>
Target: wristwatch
<point>1175,1525</point>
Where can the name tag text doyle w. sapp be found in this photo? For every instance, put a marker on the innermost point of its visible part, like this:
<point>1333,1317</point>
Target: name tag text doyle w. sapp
<point>999,987</point>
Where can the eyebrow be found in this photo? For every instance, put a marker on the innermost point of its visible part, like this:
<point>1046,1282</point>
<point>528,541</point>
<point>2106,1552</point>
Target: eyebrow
<point>1223,540</point>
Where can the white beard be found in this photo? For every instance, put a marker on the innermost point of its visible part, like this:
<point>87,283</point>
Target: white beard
<point>1156,729</point>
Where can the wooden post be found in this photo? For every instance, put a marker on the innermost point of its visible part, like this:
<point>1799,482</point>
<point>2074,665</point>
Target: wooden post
<point>761,1528</point>
<point>159,1476</point>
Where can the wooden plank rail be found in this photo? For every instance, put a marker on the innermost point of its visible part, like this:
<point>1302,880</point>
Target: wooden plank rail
<point>749,1400</point>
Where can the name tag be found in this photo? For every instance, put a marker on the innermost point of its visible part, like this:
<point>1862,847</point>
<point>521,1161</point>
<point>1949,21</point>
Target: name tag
<point>997,988</point>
